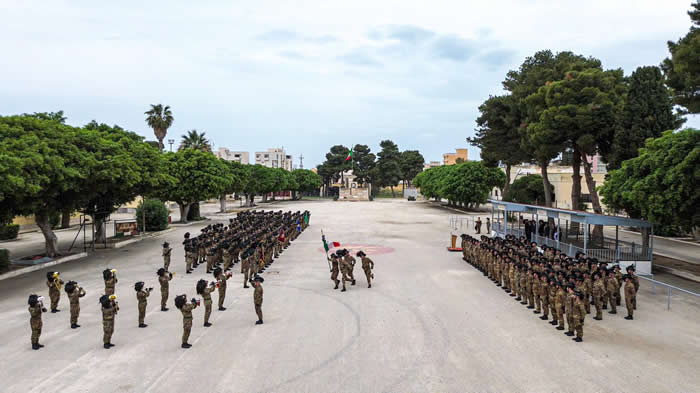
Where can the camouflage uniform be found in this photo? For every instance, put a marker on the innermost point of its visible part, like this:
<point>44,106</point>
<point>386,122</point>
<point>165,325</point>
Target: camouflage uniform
<point>54,294</point>
<point>164,281</point>
<point>109,286</point>
<point>613,290</point>
<point>35,322</point>
<point>630,298</point>
<point>222,288</point>
<point>258,300</point>
<point>579,314</point>
<point>334,271</point>
<point>245,271</point>
<point>206,295</point>
<point>187,320</point>
<point>166,257</point>
<point>142,296</point>
<point>108,323</point>
<point>367,266</point>
<point>74,298</point>
<point>598,296</point>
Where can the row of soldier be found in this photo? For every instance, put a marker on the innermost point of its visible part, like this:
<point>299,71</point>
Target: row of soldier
<point>252,237</point>
<point>548,281</point>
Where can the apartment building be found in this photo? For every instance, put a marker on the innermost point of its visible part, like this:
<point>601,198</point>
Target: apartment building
<point>239,156</point>
<point>274,158</point>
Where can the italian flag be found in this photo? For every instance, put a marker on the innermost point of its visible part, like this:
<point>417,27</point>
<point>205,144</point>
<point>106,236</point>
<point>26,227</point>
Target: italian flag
<point>328,245</point>
<point>349,156</point>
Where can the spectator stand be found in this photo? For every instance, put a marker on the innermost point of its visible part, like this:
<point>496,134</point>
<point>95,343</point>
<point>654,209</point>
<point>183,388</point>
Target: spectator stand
<point>570,232</point>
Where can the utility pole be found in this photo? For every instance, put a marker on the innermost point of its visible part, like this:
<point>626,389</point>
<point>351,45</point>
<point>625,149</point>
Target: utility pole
<point>170,142</point>
<point>301,161</point>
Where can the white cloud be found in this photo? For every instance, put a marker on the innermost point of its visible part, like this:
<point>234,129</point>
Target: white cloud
<point>305,74</point>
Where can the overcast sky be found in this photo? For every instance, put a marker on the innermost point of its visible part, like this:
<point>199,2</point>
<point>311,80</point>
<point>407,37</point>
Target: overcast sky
<point>306,74</point>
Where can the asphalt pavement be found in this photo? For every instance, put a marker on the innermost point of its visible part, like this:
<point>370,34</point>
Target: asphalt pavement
<point>430,323</point>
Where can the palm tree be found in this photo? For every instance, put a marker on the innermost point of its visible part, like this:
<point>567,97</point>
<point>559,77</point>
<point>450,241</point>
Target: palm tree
<point>160,119</point>
<point>195,140</point>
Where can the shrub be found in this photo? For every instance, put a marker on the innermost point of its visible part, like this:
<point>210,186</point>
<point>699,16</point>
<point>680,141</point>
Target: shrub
<point>8,231</point>
<point>4,260</point>
<point>156,215</point>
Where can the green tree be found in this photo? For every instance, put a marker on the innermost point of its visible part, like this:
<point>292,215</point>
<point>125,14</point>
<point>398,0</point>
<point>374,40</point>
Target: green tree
<point>648,112</point>
<point>661,184</point>
<point>498,135</point>
<point>537,71</point>
<point>237,181</point>
<point>123,167</point>
<point>60,118</point>
<point>259,182</point>
<point>195,140</point>
<point>42,169</point>
<point>411,164</point>
<point>364,161</point>
<point>682,70</point>
<point>156,215</point>
<point>198,176</point>
<point>388,168</point>
<point>527,189</point>
<point>159,118</point>
<point>307,181</point>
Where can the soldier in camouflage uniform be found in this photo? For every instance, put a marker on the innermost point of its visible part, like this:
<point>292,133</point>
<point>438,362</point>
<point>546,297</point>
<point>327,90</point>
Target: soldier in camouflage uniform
<point>334,269</point>
<point>579,314</point>
<point>205,291</point>
<point>142,295</point>
<point>630,296</point>
<point>166,255</point>
<point>613,289</point>
<point>36,308</point>
<point>598,295</point>
<point>54,282</point>
<point>74,294</point>
<point>109,311</point>
<point>367,266</point>
<point>221,278</point>
<point>245,269</point>
<point>186,309</point>
<point>349,265</point>
<point>164,278</point>
<point>110,277</point>
<point>258,298</point>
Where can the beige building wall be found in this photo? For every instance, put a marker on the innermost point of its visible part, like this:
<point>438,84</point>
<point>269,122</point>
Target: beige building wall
<point>451,158</point>
<point>560,178</point>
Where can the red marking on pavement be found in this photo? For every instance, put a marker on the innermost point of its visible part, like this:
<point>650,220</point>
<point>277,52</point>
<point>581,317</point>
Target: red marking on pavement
<point>368,249</point>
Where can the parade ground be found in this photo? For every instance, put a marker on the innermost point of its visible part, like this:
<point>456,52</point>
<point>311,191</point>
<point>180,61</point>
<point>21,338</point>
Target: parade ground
<point>430,323</point>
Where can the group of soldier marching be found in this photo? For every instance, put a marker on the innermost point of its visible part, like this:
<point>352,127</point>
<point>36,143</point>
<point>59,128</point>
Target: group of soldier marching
<point>549,281</point>
<point>343,262</point>
<point>253,238</point>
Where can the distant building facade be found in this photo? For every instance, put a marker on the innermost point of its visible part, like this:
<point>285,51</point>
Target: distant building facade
<point>451,158</point>
<point>274,158</point>
<point>432,164</point>
<point>242,157</point>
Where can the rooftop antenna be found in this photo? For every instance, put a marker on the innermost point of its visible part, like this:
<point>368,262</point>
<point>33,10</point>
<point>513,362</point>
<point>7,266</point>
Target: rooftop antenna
<point>301,161</point>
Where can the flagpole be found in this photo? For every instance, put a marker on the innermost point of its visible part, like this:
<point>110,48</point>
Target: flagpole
<point>324,243</point>
<point>352,165</point>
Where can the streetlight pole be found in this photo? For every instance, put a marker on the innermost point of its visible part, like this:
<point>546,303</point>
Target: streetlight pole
<point>171,141</point>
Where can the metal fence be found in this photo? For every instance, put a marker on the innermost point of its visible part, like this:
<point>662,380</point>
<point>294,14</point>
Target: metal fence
<point>623,253</point>
<point>669,289</point>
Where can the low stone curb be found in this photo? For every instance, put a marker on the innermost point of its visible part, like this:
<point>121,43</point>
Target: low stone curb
<point>678,273</point>
<point>30,269</point>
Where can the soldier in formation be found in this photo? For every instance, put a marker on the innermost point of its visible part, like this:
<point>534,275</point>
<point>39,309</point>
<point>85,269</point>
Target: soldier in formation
<point>258,298</point>
<point>74,294</point>
<point>166,255</point>
<point>36,308</point>
<point>54,282</point>
<point>164,278</point>
<point>142,295</point>
<point>109,311</point>
<point>550,282</point>
<point>186,309</point>
<point>367,266</point>
<point>110,277</point>
<point>255,238</point>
